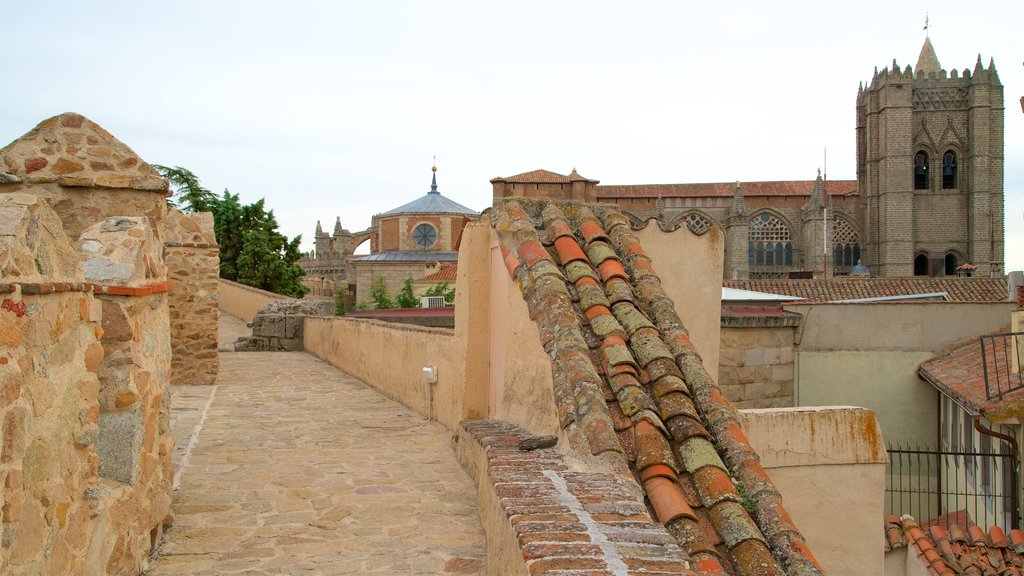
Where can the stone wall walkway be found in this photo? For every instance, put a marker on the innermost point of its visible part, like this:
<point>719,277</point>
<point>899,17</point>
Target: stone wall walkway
<point>297,468</point>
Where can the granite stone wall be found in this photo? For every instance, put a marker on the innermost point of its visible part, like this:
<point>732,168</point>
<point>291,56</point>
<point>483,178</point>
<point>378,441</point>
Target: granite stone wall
<point>192,258</point>
<point>85,354</point>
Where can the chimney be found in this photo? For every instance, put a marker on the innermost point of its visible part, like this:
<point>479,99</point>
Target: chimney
<point>1015,281</point>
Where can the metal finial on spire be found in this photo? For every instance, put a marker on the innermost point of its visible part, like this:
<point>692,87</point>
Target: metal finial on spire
<point>925,24</point>
<point>433,180</point>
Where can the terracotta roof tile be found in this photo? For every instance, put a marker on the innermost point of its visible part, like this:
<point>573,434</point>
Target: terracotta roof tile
<point>850,288</point>
<point>945,553</point>
<point>960,374</point>
<point>535,176</point>
<point>627,380</point>
<point>727,189</point>
<point>447,273</point>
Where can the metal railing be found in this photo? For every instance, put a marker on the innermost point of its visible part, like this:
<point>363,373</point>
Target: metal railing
<point>1001,358</point>
<point>943,486</point>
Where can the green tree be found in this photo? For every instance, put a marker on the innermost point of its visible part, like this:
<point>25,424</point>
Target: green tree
<point>252,250</point>
<point>442,289</point>
<point>379,294</point>
<point>406,297</point>
<point>189,194</point>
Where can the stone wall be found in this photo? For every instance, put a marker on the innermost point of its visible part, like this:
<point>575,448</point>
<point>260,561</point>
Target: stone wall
<point>85,354</point>
<point>84,440</point>
<point>191,256</point>
<point>757,369</point>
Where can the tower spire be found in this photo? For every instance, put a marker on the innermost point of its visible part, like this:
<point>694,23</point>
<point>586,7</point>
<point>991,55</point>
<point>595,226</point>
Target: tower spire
<point>433,181</point>
<point>927,61</point>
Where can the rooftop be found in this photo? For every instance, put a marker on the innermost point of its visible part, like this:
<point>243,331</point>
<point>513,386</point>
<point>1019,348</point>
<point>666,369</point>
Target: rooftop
<point>628,382</point>
<point>725,189</point>
<point>960,374</point>
<point>432,202</point>
<point>959,550</point>
<point>849,288</point>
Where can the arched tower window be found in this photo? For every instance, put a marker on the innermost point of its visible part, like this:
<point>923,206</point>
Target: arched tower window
<point>769,248</point>
<point>921,171</point>
<point>921,265</point>
<point>951,264</point>
<point>949,169</point>
<point>845,246</point>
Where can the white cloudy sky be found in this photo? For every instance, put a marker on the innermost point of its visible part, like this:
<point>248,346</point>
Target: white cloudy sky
<point>336,108</point>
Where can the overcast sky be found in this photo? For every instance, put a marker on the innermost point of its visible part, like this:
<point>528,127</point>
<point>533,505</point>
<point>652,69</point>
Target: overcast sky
<point>336,108</point>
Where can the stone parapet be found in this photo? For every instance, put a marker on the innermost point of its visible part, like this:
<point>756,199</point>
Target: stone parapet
<point>827,458</point>
<point>542,517</point>
<point>192,258</point>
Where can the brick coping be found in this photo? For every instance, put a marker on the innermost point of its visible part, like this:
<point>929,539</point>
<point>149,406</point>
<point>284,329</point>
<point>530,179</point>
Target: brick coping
<point>566,521</point>
<point>34,288</point>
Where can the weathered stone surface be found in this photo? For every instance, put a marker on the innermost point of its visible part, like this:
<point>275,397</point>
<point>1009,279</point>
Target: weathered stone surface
<point>119,445</point>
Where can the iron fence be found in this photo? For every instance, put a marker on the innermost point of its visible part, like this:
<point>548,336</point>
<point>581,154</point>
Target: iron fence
<point>945,486</point>
<point>1001,357</point>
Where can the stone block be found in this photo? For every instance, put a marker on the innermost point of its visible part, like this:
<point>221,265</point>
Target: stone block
<point>782,372</point>
<point>269,326</point>
<point>251,344</point>
<point>119,445</point>
<point>753,357</point>
<point>290,344</point>
<point>293,327</point>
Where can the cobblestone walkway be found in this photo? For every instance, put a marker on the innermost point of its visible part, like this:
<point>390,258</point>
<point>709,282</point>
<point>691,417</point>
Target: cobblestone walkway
<point>293,467</point>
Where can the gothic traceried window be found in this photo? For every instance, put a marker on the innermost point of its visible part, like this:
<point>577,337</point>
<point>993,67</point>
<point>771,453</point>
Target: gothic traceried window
<point>769,248</point>
<point>921,171</point>
<point>697,223</point>
<point>949,170</point>
<point>845,246</point>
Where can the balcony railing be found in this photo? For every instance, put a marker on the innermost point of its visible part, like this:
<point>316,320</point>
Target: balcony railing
<point>1001,359</point>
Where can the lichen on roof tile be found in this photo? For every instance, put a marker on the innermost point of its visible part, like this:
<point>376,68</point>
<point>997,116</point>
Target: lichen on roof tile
<point>628,380</point>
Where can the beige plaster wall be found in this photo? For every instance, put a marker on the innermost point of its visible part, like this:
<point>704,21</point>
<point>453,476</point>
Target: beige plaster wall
<point>829,465</point>
<point>521,381</point>
<point>690,268</point>
<point>243,301</point>
<point>390,357</point>
<point>883,381</point>
<point>868,355</point>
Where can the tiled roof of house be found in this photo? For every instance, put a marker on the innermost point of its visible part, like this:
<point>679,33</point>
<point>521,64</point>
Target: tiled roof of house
<point>850,288</point>
<point>543,177</point>
<point>960,374</point>
<point>447,273</point>
<point>958,550</point>
<point>748,189</point>
<point>628,381</point>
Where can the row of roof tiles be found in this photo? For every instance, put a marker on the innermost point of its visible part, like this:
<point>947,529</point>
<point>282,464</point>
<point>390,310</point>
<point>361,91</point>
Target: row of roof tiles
<point>850,288</point>
<point>958,550</point>
<point>627,380</point>
<point>610,193</point>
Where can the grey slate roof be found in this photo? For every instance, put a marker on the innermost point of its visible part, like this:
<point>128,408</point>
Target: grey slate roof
<point>432,202</point>
<point>408,256</point>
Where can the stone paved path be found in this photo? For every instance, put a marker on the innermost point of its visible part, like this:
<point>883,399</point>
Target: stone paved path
<point>297,468</point>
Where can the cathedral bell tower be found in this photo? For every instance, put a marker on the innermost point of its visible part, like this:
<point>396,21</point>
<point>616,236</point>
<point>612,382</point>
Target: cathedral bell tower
<point>930,168</point>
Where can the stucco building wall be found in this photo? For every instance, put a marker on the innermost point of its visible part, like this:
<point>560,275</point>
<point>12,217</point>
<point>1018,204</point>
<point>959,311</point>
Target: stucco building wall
<point>868,355</point>
<point>828,463</point>
<point>243,301</point>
